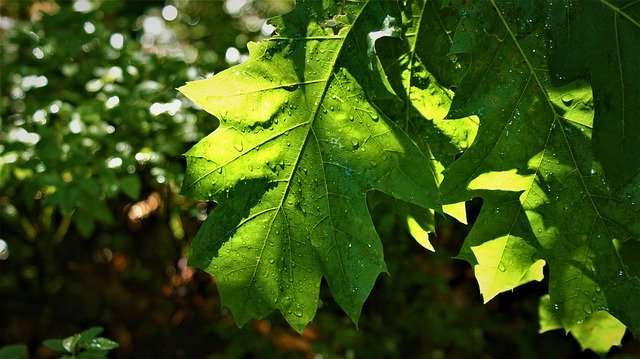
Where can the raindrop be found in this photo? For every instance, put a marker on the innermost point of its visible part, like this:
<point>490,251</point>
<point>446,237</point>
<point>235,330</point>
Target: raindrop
<point>355,143</point>
<point>374,116</point>
<point>587,309</point>
<point>297,312</point>
<point>501,267</point>
<point>238,145</point>
<point>567,99</point>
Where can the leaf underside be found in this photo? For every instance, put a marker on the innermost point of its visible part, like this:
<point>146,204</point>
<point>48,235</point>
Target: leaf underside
<point>353,96</point>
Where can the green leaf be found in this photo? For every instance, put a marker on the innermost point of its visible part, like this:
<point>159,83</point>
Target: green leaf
<point>90,333</point>
<point>547,319</point>
<point>599,40</point>
<point>15,351</point>
<point>300,143</point>
<point>100,343</point>
<point>599,332</point>
<point>491,270</point>
<point>545,197</point>
<point>70,344</point>
<point>55,344</point>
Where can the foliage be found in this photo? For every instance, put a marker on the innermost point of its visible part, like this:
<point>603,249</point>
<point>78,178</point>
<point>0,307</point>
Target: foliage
<point>129,274</point>
<point>323,112</point>
<point>88,120</point>
<point>91,143</point>
<point>86,344</point>
<point>83,345</point>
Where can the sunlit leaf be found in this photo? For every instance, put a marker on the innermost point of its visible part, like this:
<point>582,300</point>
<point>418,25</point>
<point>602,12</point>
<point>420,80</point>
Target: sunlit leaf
<point>299,145</point>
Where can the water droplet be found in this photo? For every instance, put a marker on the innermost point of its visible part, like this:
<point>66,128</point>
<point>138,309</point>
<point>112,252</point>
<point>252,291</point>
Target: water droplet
<point>567,99</point>
<point>374,116</point>
<point>355,143</point>
<point>501,267</point>
<point>297,312</point>
<point>587,309</point>
<point>238,145</point>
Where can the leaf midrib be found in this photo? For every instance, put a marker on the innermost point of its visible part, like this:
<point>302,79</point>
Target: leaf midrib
<point>311,122</point>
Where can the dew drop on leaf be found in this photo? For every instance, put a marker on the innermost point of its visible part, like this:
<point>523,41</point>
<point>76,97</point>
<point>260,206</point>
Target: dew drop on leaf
<point>238,145</point>
<point>297,312</point>
<point>501,267</point>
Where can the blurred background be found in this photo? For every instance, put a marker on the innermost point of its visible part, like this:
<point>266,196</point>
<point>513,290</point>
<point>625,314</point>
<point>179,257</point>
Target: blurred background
<point>94,232</point>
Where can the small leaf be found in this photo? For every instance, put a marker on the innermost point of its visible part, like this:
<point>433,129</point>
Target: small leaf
<point>70,344</point>
<point>90,333</point>
<point>420,230</point>
<point>505,263</point>
<point>100,344</point>
<point>15,351</point>
<point>547,318</point>
<point>55,344</point>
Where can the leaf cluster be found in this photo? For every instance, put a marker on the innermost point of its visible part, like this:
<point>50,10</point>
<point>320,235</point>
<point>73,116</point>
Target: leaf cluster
<point>434,103</point>
<point>84,345</point>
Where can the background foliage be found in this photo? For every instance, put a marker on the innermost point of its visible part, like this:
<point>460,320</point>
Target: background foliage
<point>91,144</point>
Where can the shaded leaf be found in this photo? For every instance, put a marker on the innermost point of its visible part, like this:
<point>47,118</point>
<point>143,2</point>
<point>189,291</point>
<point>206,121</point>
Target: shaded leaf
<point>545,197</point>
<point>599,40</point>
